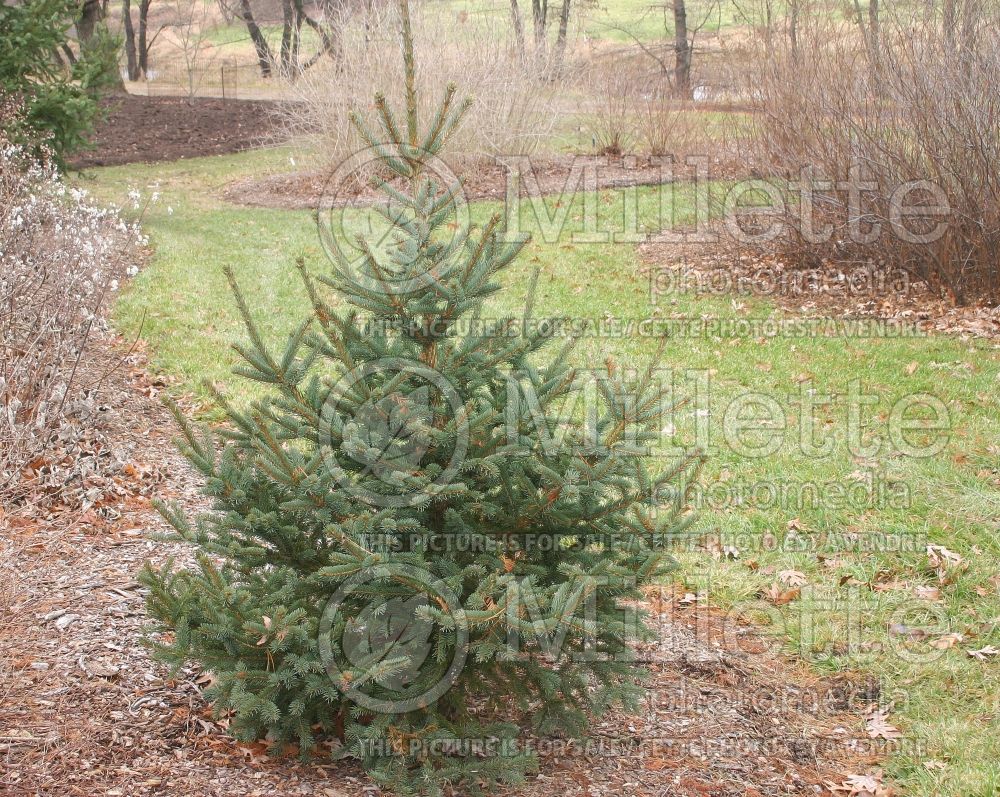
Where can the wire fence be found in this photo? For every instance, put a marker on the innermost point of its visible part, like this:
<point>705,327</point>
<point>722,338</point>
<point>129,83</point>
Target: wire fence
<point>224,78</point>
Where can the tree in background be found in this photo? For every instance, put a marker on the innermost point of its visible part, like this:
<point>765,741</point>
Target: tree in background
<point>60,97</point>
<point>540,25</point>
<point>673,54</point>
<point>416,544</point>
<point>137,40</point>
<point>289,62</point>
<point>190,24</point>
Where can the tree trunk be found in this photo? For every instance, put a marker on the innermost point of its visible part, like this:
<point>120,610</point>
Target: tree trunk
<point>515,20</point>
<point>561,36</point>
<point>682,51</point>
<point>332,38</point>
<point>86,24</point>
<point>91,18</point>
<point>131,59</point>
<point>264,58</point>
<point>143,45</point>
<point>768,30</point>
<point>332,42</point>
<point>539,10</point>
<point>287,35</point>
<point>793,26</point>
<point>297,39</point>
<point>873,27</point>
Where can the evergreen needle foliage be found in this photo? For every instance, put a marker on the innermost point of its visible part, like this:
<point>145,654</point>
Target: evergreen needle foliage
<point>60,100</point>
<point>413,545</point>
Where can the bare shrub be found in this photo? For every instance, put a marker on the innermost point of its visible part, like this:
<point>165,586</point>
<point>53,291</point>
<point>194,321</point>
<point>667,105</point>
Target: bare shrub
<point>613,86</point>
<point>636,109</point>
<point>514,94</point>
<point>190,34</point>
<point>906,112</point>
<point>61,258</point>
<point>665,126</point>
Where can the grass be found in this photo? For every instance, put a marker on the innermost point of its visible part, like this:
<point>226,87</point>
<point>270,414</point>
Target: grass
<point>611,21</point>
<point>945,702</point>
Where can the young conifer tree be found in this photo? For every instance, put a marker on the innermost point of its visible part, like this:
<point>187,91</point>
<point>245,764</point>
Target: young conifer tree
<point>415,553</point>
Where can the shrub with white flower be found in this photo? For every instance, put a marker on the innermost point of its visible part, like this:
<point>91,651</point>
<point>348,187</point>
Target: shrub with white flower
<point>61,259</point>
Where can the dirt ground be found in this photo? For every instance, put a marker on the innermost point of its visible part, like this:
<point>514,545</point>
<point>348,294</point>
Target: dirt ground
<point>84,710</point>
<point>146,129</point>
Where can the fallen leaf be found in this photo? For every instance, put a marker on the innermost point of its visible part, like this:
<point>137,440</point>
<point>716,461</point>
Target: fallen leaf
<point>780,597</point>
<point>860,786</point>
<point>946,641</point>
<point>793,578</point>
<point>879,727</point>
<point>927,593</point>
<point>100,669</point>
<point>984,653</point>
<point>66,620</point>
<point>945,562</point>
<point>939,556</point>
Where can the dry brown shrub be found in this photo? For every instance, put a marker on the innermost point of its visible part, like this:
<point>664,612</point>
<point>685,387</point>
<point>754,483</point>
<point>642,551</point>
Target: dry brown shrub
<point>633,108</point>
<point>514,95</point>
<point>613,124</point>
<point>913,111</point>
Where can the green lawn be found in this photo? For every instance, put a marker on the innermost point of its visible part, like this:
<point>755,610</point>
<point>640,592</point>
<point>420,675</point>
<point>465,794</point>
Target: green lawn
<point>855,589</point>
<point>616,21</point>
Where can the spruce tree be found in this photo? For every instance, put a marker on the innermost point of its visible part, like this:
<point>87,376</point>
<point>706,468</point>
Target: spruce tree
<point>414,554</point>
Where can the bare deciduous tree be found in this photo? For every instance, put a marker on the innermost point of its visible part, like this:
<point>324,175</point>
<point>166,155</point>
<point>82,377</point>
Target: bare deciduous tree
<point>137,42</point>
<point>682,51</point>
<point>191,31</point>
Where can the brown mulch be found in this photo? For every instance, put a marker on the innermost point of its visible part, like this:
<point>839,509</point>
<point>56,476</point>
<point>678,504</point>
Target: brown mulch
<point>147,129</point>
<point>84,710</point>
<point>308,190</point>
<point>832,291</point>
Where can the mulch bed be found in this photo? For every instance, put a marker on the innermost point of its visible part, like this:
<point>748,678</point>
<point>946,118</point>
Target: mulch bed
<point>550,174</point>
<point>147,129</point>
<point>84,710</point>
<point>837,291</point>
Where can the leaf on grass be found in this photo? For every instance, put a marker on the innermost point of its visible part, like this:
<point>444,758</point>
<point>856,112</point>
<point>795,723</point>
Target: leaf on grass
<point>779,596</point>
<point>927,593</point>
<point>946,641</point>
<point>984,653</point>
<point>942,560</point>
<point>879,727</point>
<point>793,578</point>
